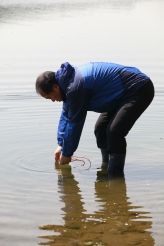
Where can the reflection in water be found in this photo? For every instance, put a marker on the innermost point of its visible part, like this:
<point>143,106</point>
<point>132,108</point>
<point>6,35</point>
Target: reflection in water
<point>117,221</point>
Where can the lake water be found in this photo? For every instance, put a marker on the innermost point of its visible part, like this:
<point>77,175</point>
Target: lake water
<point>40,202</point>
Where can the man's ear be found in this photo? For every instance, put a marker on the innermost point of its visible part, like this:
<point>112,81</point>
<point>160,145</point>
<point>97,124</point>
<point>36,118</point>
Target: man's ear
<point>55,87</point>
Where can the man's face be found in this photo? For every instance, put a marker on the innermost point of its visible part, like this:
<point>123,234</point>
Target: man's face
<point>54,95</point>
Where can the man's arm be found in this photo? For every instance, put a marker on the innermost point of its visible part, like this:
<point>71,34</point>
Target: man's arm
<point>62,124</point>
<point>78,98</point>
<point>61,131</point>
<point>78,105</point>
<point>72,136</point>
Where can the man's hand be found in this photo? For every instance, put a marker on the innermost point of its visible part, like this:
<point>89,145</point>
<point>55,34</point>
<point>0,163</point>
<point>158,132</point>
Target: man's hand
<point>57,153</point>
<point>64,159</point>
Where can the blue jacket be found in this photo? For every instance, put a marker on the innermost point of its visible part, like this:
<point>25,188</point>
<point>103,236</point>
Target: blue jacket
<point>95,86</point>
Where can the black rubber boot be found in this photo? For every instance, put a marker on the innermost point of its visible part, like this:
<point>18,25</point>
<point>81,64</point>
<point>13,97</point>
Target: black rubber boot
<point>116,163</point>
<point>105,156</point>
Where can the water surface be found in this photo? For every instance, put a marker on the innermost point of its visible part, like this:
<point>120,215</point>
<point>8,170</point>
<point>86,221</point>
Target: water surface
<point>42,203</point>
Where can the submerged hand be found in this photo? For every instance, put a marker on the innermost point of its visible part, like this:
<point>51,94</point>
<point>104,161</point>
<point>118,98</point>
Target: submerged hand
<point>64,159</point>
<point>57,153</point>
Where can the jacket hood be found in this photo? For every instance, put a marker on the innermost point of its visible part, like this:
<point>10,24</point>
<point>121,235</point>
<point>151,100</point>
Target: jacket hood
<point>63,76</point>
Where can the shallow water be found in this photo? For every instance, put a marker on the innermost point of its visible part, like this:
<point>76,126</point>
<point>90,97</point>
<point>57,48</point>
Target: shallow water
<point>40,202</point>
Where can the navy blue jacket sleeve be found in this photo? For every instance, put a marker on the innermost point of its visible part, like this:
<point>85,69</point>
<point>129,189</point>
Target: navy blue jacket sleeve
<point>77,100</point>
<point>62,124</point>
<point>72,136</point>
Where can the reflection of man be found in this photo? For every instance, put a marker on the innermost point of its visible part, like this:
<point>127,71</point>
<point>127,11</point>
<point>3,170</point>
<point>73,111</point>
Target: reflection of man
<point>122,222</point>
<point>70,195</point>
<point>120,93</point>
<point>73,210</point>
<point>112,224</point>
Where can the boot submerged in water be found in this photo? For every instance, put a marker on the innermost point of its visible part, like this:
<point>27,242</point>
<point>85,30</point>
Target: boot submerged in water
<point>116,163</point>
<point>105,157</point>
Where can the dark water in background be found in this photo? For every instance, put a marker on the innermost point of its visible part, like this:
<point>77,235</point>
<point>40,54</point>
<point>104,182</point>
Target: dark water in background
<point>84,208</point>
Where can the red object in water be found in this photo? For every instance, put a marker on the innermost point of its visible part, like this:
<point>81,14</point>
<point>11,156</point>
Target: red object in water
<point>76,158</point>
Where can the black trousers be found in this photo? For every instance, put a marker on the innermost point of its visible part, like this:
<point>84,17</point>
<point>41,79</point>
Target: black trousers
<point>112,127</point>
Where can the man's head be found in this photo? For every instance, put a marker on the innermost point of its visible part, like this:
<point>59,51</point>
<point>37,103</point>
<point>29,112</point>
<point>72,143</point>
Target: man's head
<point>47,87</point>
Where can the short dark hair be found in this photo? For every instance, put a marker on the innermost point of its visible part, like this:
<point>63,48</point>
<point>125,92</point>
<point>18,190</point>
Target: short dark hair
<point>45,81</point>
